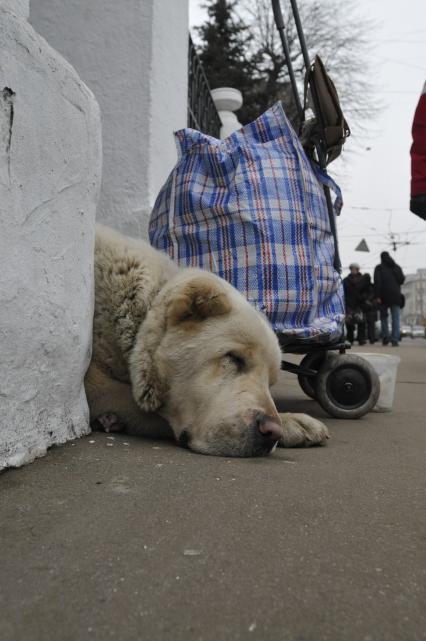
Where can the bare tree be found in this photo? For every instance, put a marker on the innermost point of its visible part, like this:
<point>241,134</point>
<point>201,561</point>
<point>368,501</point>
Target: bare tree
<point>333,29</point>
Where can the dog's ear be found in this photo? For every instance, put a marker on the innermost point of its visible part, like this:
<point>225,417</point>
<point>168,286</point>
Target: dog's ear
<point>192,302</point>
<point>198,299</point>
<point>149,384</point>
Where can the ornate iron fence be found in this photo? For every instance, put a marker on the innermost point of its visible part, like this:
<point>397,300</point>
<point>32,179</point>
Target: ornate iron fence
<point>202,112</point>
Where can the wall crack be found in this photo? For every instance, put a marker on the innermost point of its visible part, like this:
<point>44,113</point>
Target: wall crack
<point>7,99</point>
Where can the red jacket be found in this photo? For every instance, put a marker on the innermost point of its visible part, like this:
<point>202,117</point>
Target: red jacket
<point>418,148</point>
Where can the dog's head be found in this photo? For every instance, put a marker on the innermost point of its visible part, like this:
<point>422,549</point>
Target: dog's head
<point>204,359</point>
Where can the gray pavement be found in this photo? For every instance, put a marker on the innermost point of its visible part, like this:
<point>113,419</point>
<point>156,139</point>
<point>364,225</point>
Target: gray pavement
<point>131,539</point>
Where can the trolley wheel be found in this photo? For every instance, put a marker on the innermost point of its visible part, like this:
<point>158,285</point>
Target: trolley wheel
<point>347,386</point>
<point>313,360</point>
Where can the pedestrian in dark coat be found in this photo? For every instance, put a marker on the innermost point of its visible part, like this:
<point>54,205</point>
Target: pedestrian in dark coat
<point>369,307</point>
<point>388,278</point>
<point>354,286</point>
<point>418,159</point>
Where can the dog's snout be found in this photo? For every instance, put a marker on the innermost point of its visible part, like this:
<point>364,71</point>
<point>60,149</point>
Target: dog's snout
<point>267,432</point>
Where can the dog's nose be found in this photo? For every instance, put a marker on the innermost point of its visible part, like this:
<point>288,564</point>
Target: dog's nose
<point>270,428</point>
<point>267,433</point>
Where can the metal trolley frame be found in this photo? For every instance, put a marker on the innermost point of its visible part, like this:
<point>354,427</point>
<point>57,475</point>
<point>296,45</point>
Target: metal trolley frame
<point>346,386</point>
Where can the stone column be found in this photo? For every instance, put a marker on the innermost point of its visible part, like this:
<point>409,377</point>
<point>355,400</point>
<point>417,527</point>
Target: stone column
<point>133,54</point>
<point>50,171</point>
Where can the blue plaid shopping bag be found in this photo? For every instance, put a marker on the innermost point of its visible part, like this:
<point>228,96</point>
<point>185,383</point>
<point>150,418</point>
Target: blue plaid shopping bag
<point>252,209</point>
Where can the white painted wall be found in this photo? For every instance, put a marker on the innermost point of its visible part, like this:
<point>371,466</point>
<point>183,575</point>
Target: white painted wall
<point>169,88</point>
<point>133,55</point>
<point>50,167</point>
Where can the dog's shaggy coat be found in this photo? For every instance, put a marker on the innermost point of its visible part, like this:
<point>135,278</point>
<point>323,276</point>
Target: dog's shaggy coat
<point>179,352</point>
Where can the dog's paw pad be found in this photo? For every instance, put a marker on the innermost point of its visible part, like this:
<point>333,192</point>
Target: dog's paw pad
<point>107,422</point>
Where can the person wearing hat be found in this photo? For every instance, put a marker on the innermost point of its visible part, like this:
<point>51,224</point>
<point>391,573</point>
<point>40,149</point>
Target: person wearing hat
<point>388,278</point>
<point>355,286</point>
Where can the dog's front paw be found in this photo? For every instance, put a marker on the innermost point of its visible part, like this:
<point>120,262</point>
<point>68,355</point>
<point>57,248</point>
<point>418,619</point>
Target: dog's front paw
<point>301,430</point>
<point>107,422</point>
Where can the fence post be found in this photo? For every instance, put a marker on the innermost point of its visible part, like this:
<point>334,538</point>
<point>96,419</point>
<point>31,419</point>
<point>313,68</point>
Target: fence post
<point>228,100</point>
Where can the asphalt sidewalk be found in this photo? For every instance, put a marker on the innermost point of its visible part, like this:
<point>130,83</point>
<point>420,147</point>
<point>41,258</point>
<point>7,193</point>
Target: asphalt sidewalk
<point>123,538</point>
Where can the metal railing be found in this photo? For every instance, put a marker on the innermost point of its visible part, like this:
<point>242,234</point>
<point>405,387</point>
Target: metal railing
<point>202,112</point>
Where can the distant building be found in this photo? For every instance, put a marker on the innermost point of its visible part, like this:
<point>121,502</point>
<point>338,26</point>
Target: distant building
<point>414,290</point>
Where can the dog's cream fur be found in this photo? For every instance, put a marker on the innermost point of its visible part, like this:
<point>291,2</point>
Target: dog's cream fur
<point>180,352</point>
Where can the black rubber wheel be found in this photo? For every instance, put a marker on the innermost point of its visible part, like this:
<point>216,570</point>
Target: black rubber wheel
<point>347,386</point>
<point>313,360</point>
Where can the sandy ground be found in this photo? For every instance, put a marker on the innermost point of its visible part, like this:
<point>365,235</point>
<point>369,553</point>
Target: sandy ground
<point>128,539</point>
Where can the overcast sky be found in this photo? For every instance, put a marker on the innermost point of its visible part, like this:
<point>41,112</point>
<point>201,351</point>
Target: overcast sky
<point>379,179</point>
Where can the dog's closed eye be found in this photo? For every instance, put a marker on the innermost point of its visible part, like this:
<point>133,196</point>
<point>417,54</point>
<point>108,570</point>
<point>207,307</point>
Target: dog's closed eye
<point>236,360</point>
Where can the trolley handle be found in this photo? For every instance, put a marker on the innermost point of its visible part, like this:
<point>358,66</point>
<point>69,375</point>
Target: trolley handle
<point>279,21</point>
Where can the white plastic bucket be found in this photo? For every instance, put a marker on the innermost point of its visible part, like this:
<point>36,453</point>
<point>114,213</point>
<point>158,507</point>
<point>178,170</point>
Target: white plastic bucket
<point>386,366</point>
